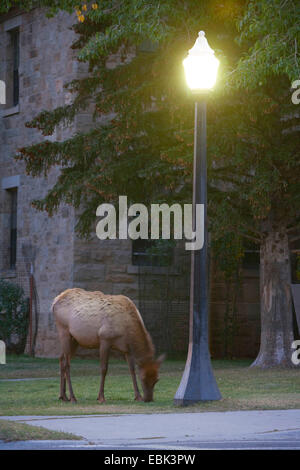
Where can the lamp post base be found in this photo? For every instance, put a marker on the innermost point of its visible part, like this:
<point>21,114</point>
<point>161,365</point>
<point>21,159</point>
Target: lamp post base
<point>198,382</point>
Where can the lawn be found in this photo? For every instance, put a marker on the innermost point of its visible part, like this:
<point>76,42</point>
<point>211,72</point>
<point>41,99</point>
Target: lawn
<point>12,431</point>
<point>242,388</point>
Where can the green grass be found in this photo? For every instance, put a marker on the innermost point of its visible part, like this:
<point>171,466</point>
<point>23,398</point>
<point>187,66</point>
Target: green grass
<point>12,431</point>
<point>242,388</point>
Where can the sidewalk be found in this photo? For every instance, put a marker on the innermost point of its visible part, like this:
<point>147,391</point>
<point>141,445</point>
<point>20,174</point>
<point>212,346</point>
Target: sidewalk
<point>177,430</point>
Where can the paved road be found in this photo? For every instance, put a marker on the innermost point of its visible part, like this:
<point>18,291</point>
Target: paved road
<point>268,429</point>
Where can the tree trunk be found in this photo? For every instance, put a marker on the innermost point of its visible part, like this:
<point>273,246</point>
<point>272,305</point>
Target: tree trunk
<point>276,302</point>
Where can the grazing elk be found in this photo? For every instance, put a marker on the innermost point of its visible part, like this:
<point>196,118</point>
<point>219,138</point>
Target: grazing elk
<point>95,320</point>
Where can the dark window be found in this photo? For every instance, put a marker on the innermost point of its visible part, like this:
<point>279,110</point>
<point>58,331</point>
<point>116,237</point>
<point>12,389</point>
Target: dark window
<point>295,264</point>
<point>15,48</point>
<point>13,228</point>
<point>151,253</point>
<point>251,259</point>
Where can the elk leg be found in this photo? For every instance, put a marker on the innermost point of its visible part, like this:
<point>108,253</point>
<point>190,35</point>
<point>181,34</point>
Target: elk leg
<point>73,346</point>
<point>65,341</point>
<point>104,355</point>
<point>68,363</point>
<point>69,345</point>
<point>130,360</point>
<point>62,364</point>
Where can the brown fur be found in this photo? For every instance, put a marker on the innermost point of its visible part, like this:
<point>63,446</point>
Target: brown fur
<point>96,320</point>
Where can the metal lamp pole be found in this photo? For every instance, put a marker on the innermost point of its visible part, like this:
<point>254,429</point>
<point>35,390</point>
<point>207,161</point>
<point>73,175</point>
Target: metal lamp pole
<point>198,382</point>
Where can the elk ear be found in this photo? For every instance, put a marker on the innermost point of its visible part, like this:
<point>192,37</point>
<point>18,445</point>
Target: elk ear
<point>160,359</point>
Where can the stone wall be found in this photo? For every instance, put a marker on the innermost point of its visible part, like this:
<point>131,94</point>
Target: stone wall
<point>105,265</point>
<point>46,64</point>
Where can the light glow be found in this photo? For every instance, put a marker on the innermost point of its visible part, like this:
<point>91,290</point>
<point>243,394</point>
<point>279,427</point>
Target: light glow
<point>201,65</point>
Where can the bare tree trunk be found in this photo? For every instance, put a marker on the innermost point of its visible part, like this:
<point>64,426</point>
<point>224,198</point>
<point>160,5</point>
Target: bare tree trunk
<point>276,303</point>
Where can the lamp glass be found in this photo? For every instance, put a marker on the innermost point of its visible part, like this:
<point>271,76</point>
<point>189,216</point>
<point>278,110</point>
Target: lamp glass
<point>201,65</point>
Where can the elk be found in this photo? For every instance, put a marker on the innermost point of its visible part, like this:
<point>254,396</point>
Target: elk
<point>108,322</point>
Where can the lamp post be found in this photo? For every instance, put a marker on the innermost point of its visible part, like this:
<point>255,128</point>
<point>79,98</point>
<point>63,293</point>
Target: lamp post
<point>198,382</point>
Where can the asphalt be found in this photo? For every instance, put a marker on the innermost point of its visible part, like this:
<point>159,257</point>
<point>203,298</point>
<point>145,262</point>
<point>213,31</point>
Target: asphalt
<point>265,429</point>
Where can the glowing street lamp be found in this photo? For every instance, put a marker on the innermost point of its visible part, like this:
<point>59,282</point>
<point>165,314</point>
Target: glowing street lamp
<point>201,66</point>
<point>198,382</point>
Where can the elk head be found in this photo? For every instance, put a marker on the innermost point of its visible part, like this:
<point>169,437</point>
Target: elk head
<point>149,376</point>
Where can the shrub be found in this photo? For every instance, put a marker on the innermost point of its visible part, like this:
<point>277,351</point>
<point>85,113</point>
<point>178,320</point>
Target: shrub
<point>14,316</point>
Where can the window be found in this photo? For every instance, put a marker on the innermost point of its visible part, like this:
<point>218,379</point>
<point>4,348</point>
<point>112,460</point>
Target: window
<point>295,260</point>
<point>152,252</point>
<point>13,193</point>
<point>15,40</point>
<point>295,263</point>
<point>251,258</point>
<point>12,67</point>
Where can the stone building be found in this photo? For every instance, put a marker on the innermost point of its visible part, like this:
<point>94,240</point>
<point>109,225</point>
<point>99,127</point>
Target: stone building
<point>35,63</point>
